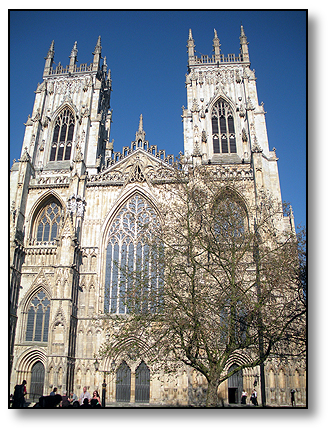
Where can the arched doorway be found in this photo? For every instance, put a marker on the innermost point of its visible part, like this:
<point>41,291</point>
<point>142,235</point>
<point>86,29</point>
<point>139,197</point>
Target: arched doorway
<point>235,386</point>
<point>37,381</point>
<point>123,383</point>
<point>142,383</point>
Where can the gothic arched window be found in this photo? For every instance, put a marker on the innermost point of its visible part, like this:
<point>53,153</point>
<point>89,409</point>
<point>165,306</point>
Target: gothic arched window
<point>38,318</point>
<point>223,129</point>
<point>61,145</point>
<point>47,222</point>
<point>133,274</point>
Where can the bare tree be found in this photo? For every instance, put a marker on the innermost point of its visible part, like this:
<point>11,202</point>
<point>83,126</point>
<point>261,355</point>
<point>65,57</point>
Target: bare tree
<point>229,288</point>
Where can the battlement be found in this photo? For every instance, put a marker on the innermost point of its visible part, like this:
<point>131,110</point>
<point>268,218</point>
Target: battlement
<point>206,59</point>
<point>82,68</point>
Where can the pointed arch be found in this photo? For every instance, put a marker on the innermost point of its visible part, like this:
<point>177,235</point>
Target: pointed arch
<point>128,251</point>
<point>223,126</point>
<point>129,348</point>
<point>35,311</point>
<point>62,133</point>
<point>29,357</point>
<point>232,193</point>
<point>46,218</point>
<point>142,383</point>
<point>123,382</point>
<point>37,322</point>
<point>38,284</point>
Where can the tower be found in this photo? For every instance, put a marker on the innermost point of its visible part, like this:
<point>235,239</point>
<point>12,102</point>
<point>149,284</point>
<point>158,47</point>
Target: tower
<point>223,122</point>
<point>77,207</point>
<point>65,140</point>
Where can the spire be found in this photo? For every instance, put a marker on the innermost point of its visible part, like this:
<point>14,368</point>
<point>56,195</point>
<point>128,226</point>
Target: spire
<point>97,55</point>
<point>216,46</point>
<point>243,45</point>
<point>49,59</point>
<point>140,124</point>
<point>191,45</point>
<point>73,58</point>
<point>140,134</point>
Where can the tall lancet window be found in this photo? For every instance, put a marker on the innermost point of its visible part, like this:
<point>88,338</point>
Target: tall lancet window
<point>48,222</point>
<point>133,278</point>
<point>62,138</point>
<point>38,318</point>
<point>223,129</point>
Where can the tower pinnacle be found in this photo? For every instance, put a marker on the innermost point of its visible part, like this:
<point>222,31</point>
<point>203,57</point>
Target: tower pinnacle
<point>49,59</point>
<point>97,55</point>
<point>243,45</point>
<point>191,45</point>
<point>216,46</point>
<point>73,58</point>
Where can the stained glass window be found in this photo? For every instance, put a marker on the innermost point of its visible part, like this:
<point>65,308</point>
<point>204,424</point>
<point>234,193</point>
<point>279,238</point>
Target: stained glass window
<point>61,145</point>
<point>48,223</point>
<point>133,277</point>
<point>38,319</point>
<point>224,137</point>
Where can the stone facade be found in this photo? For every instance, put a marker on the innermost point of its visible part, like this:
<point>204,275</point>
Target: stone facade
<point>66,191</point>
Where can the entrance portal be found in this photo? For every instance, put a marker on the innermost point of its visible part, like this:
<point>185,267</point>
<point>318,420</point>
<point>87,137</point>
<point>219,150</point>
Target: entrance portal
<point>235,386</point>
<point>37,381</point>
<point>142,383</point>
<point>123,383</point>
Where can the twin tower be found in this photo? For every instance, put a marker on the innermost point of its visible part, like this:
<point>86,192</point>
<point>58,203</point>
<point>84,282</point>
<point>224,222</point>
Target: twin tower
<point>69,186</point>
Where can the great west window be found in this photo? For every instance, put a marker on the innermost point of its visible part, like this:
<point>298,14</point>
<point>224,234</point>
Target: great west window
<point>133,275</point>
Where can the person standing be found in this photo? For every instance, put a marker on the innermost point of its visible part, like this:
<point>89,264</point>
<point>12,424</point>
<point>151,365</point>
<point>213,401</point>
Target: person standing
<point>254,397</point>
<point>84,394</point>
<point>292,397</point>
<point>243,397</point>
<point>19,395</point>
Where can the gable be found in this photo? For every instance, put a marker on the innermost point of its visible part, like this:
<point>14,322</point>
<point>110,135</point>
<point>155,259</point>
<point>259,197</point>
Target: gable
<point>139,166</point>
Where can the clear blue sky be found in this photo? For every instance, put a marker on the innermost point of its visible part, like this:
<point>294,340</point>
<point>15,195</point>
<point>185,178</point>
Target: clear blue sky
<point>146,52</point>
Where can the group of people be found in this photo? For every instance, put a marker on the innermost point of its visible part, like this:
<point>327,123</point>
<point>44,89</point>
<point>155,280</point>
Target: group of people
<point>84,401</point>
<point>253,398</point>
<point>56,400</point>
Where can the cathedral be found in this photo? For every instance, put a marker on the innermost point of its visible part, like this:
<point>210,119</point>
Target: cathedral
<point>68,194</point>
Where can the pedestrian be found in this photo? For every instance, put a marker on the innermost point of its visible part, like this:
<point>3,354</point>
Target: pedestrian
<point>53,392</point>
<point>85,404</point>
<point>243,397</point>
<point>84,394</point>
<point>95,400</point>
<point>254,397</point>
<point>19,395</point>
<point>292,397</point>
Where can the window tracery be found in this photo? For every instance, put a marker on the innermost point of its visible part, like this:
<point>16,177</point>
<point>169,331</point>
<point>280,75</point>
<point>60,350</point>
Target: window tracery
<point>133,275</point>
<point>38,318</point>
<point>48,222</point>
<point>61,145</point>
<point>223,129</point>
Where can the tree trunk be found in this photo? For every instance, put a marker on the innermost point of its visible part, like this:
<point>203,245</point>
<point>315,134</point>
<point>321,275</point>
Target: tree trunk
<point>212,399</point>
